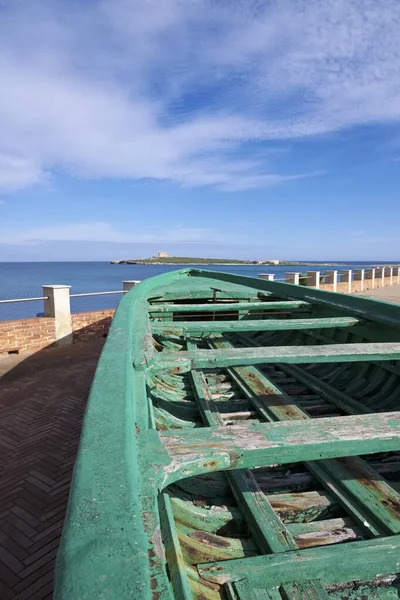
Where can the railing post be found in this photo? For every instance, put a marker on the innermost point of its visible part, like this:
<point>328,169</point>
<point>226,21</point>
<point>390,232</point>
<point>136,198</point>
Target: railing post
<point>390,275</point>
<point>313,279</point>
<point>345,277</point>
<point>331,277</point>
<point>395,275</point>
<point>359,275</point>
<point>292,278</point>
<point>58,306</point>
<point>266,276</point>
<point>128,285</point>
<point>370,274</point>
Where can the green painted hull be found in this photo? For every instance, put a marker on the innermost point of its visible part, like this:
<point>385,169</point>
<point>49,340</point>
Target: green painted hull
<point>241,441</point>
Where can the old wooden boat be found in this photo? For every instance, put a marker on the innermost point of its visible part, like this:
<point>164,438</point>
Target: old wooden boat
<point>241,442</point>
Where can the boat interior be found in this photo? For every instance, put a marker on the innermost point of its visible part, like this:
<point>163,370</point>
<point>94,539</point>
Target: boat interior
<point>269,353</point>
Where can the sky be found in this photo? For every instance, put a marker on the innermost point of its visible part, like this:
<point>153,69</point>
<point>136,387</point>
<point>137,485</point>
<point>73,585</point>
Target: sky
<point>221,128</point>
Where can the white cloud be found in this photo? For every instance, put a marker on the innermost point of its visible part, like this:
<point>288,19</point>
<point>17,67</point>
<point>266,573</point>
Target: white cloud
<point>172,90</point>
<point>104,232</point>
<point>17,172</point>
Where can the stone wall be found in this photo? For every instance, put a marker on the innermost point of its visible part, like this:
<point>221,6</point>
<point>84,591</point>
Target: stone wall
<point>26,334</point>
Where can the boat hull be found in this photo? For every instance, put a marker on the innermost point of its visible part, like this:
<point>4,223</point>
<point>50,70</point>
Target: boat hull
<point>241,440</point>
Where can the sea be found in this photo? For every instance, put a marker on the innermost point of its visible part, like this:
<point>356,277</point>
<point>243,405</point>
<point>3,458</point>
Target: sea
<point>25,280</point>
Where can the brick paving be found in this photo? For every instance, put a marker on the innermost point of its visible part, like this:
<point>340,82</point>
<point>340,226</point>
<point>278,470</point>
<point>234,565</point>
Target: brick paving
<point>42,402</point>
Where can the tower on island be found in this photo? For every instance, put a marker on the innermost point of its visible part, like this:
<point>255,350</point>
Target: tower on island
<point>163,254</point>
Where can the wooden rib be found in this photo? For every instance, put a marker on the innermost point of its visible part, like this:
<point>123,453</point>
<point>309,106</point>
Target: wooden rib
<point>340,563</point>
<point>266,527</point>
<point>223,306</point>
<point>363,493</point>
<point>268,531</point>
<point>210,327</point>
<point>256,444</point>
<point>203,359</point>
<point>326,391</point>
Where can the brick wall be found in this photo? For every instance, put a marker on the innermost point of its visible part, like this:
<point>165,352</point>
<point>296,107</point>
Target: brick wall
<point>37,333</point>
<point>26,334</point>
<point>86,325</point>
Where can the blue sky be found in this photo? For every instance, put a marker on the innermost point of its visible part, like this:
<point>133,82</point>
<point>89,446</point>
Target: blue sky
<point>254,129</point>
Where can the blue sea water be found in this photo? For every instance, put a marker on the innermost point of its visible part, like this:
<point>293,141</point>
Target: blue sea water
<point>24,280</point>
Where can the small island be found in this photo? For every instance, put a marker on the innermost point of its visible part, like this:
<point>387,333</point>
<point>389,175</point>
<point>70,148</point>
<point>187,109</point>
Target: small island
<point>163,258</point>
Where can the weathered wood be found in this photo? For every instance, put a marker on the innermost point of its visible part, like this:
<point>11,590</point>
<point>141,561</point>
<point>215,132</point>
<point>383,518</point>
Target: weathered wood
<point>327,391</point>
<point>225,307</point>
<point>374,506</point>
<point>268,530</point>
<point>173,550</point>
<point>203,359</point>
<point>112,543</point>
<point>362,560</point>
<point>304,590</point>
<point>249,445</point>
<point>183,328</point>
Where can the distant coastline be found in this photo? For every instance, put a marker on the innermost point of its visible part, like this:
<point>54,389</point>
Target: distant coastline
<point>182,261</point>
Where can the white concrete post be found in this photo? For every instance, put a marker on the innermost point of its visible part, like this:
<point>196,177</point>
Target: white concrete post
<point>266,276</point>
<point>396,275</point>
<point>292,278</point>
<point>313,278</point>
<point>359,275</point>
<point>389,273</point>
<point>370,274</point>
<point>58,306</point>
<point>345,276</point>
<point>331,277</point>
<point>128,285</point>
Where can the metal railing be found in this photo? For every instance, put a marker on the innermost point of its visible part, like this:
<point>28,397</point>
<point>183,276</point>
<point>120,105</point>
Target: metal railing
<point>24,299</point>
<point>394,275</point>
<point>97,294</point>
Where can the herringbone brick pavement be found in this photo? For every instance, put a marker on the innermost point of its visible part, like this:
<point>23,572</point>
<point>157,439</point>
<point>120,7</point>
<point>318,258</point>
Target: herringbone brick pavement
<point>42,402</point>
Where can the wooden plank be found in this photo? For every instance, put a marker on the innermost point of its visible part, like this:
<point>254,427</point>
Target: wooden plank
<point>210,449</point>
<point>326,391</point>
<point>173,550</point>
<point>304,590</point>
<point>209,327</point>
<point>268,530</point>
<point>340,563</point>
<point>241,590</point>
<point>269,533</point>
<point>362,491</point>
<point>204,359</point>
<point>225,306</point>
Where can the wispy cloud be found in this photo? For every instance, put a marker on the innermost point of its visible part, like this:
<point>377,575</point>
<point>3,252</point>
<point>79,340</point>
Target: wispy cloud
<point>172,90</point>
<point>100,231</point>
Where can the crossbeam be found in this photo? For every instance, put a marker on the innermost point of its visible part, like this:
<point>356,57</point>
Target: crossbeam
<point>208,327</point>
<point>225,306</point>
<point>338,563</point>
<point>204,359</point>
<point>208,449</point>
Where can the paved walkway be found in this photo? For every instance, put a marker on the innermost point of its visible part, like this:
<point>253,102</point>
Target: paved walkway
<point>42,401</point>
<point>388,294</point>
